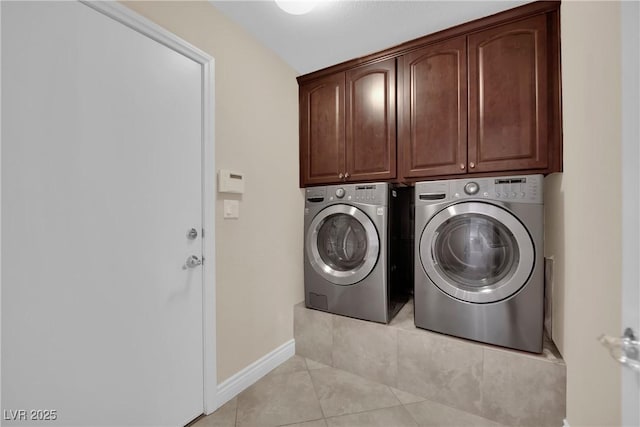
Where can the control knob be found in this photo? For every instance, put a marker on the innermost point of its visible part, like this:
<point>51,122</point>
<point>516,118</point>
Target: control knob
<point>471,188</point>
<point>340,193</point>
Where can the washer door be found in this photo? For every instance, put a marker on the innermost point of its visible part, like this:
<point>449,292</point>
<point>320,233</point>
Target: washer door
<point>477,252</point>
<point>342,244</point>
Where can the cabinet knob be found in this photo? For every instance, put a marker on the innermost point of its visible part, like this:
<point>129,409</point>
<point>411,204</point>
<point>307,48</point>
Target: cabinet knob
<point>472,165</point>
<point>346,175</point>
<point>340,175</point>
<point>462,166</point>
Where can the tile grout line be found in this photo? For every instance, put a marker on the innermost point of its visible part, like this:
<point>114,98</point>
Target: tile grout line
<point>395,380</point>
<point>331,365</point>
<point>315,392</point>
<point>411,413</point>
<point>397,360</point>
<point>333,331</point>
<point>364,412</point>
<point>482,380</point>
<point>301,422</point>
<point>388,387</point>
<point>235,421</point>
<point>455,409</point>
<point>385,407</point>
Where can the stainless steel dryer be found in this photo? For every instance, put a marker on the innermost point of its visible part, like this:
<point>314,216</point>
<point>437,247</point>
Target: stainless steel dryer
<point>479,256</point>
<point>355,250</point>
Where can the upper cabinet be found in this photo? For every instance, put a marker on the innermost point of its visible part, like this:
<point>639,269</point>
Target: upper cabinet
<point>480,98</point>
<point>322,130</point>
<point>477,103</point>
<point>433,118</point>
<point>508,101</point>
<point>348,126</point>
<point>371,122</point>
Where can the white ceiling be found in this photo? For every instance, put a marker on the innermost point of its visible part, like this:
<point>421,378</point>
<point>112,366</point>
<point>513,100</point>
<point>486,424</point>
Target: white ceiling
<point>339,30</point>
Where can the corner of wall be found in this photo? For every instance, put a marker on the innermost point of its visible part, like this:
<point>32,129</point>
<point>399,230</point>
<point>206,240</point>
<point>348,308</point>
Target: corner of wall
<point>584,224</point>
<point>554,251</point>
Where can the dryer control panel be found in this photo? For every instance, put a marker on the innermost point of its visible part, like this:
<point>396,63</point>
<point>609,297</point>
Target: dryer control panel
<point>515,189</point>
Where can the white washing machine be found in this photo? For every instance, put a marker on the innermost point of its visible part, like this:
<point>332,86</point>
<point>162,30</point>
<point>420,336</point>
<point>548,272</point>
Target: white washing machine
<point>479,259</point>
<point>355,262</point>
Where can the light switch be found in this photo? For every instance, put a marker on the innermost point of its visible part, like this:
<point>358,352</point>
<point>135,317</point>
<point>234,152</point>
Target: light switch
<point>231,209</point>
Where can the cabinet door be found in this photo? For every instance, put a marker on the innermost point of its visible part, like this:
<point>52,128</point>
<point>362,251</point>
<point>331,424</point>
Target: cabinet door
<point>371,121</point>
<point>433,124</point>
<point>508,101</point>
<point>322,130</point>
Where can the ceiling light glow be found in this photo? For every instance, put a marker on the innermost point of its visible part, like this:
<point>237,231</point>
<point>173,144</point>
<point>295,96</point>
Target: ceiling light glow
<point>296,7</point>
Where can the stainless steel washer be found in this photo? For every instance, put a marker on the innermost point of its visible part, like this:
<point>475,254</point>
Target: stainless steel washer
<point>354,263</point>
<point>479,259</point>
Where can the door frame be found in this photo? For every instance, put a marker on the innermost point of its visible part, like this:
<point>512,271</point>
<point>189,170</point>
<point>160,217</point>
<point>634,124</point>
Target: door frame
<point>142,25</point>
<point>630,108</point>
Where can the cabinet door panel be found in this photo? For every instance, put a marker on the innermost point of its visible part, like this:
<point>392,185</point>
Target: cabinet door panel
<point>508,97</point>
<point>433,127</point>
<point>322,130</point>
<point>371,121</point>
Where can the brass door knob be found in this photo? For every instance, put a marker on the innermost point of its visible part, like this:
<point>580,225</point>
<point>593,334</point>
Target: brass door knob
<point>462,166</point>
<point>472,165</point>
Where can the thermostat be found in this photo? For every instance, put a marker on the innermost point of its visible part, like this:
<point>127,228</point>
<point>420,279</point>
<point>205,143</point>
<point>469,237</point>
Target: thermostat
<point>230,182</point>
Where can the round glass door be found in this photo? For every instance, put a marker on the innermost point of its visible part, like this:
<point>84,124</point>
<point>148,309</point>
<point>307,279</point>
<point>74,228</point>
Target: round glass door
<point>342,244</point>
<point>477,252</point>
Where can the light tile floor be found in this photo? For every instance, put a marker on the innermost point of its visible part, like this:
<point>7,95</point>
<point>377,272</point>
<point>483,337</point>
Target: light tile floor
<point>305,393</point>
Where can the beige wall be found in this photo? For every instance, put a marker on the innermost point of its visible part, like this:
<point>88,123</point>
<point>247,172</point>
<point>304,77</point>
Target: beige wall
<point>258,260</point>
<point>258,278</point>
<point>583,211</point>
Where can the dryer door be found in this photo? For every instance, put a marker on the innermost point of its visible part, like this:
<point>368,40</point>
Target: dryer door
<point>342,244</point>
<point>477,252</point>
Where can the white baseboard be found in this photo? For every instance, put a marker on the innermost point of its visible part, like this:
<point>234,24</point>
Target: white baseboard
<point>234,385</point>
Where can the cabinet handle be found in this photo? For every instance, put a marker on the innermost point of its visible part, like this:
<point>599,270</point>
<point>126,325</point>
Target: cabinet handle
<point>462,166</point>
<point>340,175</point>
<point>472,165</point>
<point>346,175</point>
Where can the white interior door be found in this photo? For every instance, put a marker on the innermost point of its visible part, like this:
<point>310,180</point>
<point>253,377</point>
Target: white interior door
<point>101,180</point>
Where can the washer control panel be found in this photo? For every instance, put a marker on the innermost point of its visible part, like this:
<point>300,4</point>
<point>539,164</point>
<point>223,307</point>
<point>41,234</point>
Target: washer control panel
<point>370,194</point>
<point>366,193</point>
<point>524,188</point>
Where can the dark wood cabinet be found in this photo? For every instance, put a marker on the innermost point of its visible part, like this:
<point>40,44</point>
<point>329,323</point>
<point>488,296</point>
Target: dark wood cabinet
<point>503,74</point>
<point>433,118</point>
<point>322,130</point>
<point>480,98</point>
<point>371,122</point>
<point>348,126</point>
<point>508,101</point>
